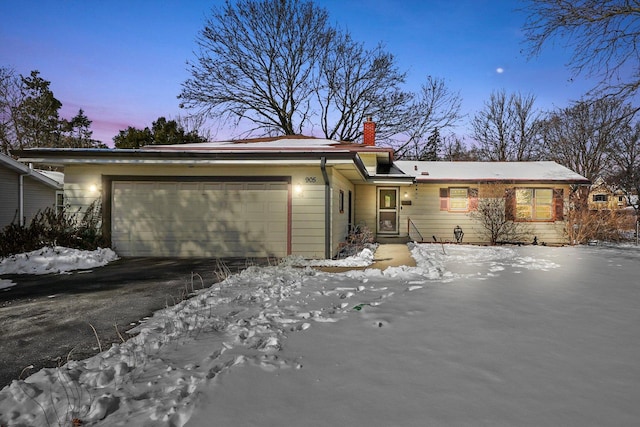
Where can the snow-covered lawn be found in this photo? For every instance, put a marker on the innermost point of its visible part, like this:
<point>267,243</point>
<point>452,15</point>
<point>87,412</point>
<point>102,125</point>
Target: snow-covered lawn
<point>495,336</point>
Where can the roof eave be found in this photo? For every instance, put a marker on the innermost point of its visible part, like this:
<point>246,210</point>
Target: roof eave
<point>25,170</point>
<point>62,157</point>
<point>577,181</point>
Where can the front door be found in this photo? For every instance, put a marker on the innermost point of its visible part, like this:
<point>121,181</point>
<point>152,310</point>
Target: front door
<point>388,210</point>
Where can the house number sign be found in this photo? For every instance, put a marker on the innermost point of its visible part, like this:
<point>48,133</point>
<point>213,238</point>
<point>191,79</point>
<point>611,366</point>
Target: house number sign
<point>310,180</point>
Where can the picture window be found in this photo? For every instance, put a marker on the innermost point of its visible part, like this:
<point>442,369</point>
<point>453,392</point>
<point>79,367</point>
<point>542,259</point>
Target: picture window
<point>534,204</point>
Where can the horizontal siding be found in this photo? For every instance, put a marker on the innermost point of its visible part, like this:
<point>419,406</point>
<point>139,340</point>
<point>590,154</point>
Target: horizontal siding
<point>424,211</point>
<point>339,220</point>
<point>10,197</point>
<point>307,249</point>
<point>431,222</point>
<point>365,206</point>
<point>310,232</point>
<point>307,216</point>
<point>37,197</point>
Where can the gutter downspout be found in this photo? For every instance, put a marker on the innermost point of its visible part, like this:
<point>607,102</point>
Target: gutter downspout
<point>327,208</point>
<point>21,200</point>
<point>21,195</point>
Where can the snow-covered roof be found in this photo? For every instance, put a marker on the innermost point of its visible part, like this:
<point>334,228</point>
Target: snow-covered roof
<point>54,175</point>
<point>280,149</point>
<point>286,143</point>
<point>488,171</point>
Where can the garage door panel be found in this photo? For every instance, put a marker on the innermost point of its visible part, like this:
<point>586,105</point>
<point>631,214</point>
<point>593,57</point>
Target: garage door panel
<point>279,207</point>
<point>213,219</point>
<point>212,186</point>
<point>257,186</point>
<point>234,186</point>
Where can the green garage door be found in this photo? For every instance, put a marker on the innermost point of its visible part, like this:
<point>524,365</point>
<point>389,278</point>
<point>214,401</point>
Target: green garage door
<point>199,219</point>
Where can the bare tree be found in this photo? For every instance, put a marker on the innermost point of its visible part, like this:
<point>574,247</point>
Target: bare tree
<point>453,149</point>
<point>356,83</point>
<point>581,137</point>
<point>436,108</point>
<point>603,35</point>
<point>507,128</point>
<point>493,217</point>
<point>10,100</point>
<point>280,65</point>
<point>194,124</point>
<point>258,61</point>
<point>626,155</point>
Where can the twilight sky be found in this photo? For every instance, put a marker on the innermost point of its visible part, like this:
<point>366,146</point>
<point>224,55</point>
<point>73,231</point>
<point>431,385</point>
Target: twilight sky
<point>123,61</point>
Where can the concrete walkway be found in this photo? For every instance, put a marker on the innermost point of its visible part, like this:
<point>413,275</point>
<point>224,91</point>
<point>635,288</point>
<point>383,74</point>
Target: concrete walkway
<point>387,255</point>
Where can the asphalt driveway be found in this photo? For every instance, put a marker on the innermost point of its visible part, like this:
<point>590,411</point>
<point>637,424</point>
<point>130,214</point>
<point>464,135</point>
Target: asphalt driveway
<point>46,319</point>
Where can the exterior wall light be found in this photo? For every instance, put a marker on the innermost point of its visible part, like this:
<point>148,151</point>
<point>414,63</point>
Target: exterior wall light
<point>298,190</point>
<point>93,188</point>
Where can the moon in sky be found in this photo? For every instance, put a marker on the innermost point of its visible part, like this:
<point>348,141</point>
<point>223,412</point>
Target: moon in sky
<point>499,70</point>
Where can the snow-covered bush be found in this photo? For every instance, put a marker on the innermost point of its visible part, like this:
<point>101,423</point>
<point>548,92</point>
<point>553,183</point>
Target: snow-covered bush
<point>52,227</point>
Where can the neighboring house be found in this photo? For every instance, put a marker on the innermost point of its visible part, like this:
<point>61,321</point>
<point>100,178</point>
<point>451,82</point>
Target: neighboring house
<point>605,197</point>
<point>25,191</point>
<point>293,195</point>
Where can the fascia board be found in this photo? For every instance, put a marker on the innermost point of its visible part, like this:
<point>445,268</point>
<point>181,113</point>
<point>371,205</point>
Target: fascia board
<point>25,170</point>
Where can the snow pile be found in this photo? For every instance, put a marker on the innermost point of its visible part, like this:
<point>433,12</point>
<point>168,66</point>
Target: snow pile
<point>55,260</point>
<point>6,284</point>
<point>362,259</point>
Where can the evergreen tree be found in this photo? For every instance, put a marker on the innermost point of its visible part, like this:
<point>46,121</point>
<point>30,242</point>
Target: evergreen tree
<point>162,132</point>
<point>133,138</point>
<point>432,146</point>
<point>77,132</point>
<point>29,116</point>
<point>37,120</point>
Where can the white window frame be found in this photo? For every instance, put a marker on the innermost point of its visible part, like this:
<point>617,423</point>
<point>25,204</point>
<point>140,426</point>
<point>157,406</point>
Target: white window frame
<point>59,201</point>
<point>458,199</point>
<point>537,204</point>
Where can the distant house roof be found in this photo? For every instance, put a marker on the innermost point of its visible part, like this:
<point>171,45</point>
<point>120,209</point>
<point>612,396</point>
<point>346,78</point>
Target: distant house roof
<point>544,171</point>
<point>48,178</point>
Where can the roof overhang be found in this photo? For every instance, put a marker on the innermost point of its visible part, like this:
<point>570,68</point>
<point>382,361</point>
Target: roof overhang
<point>391,180</point>
<point>61,157</point>
<point>347,161</point>
<point>578,181</point>
<point>26,170</point>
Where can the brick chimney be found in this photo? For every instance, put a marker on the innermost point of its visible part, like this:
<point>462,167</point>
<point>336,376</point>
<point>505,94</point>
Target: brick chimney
<point>369,132</point>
